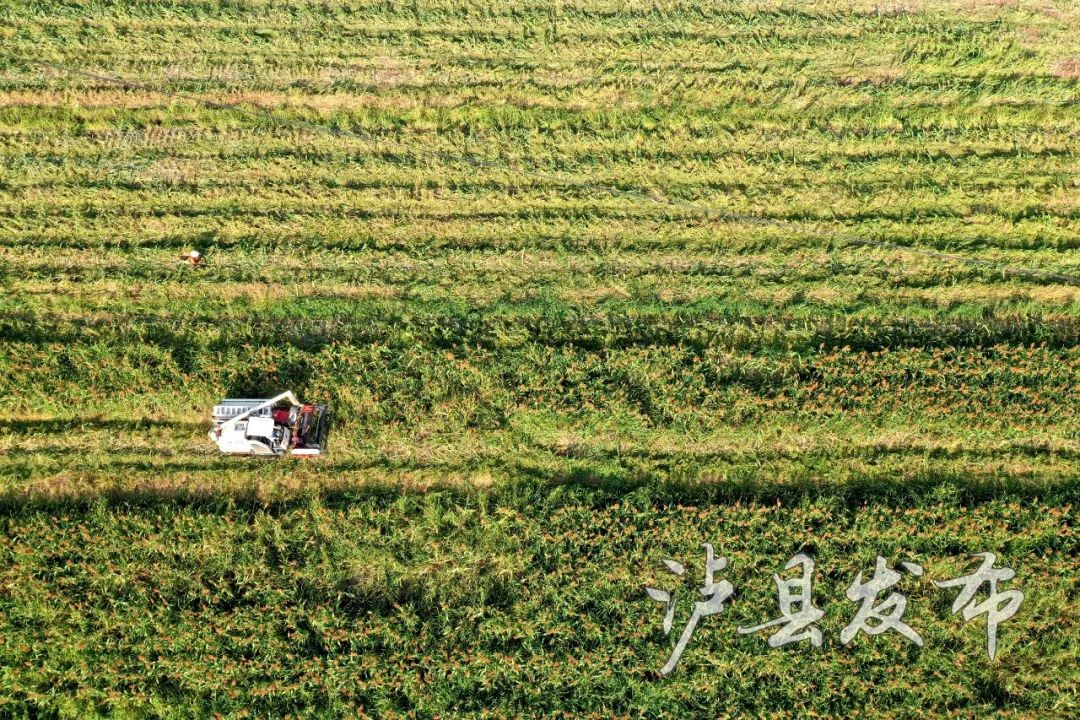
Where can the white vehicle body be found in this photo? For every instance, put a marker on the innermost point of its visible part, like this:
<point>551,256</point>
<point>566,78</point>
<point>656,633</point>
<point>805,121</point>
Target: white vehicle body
<point>267,427</point>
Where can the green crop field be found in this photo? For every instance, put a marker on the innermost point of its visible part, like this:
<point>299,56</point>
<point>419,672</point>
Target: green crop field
<point>588,284</point>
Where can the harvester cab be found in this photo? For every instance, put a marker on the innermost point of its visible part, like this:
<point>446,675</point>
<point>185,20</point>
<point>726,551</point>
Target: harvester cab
<point>275,426</point>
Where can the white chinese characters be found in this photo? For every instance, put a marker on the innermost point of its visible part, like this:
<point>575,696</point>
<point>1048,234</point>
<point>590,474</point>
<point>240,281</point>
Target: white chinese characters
<point>881,603</point>
<point>888,613</point>
<point>715,593</point>
<point>795,625</point>
<point>997,607</point>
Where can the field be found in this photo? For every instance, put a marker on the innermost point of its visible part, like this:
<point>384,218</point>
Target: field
<point>588,284</point>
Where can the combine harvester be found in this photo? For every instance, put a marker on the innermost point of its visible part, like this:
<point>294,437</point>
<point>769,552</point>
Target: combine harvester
<point>274,427</point>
